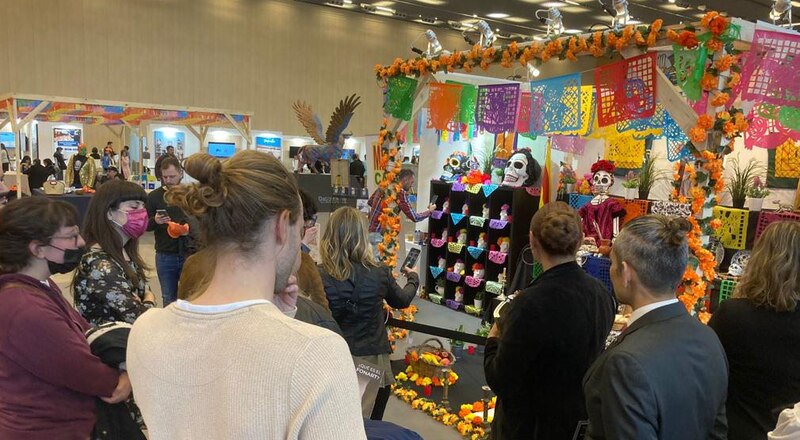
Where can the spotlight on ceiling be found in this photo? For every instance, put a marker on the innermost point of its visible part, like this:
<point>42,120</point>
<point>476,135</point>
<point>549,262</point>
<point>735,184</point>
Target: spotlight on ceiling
<point>434,47</point>
<point>618,10</point>
<point>552,18</point>
<point>487,36</point>
<point>781,9</point>
<point>533,72</point>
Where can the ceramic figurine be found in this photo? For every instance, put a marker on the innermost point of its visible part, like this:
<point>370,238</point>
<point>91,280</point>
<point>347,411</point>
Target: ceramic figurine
<point>440,288</point>
<point>459,267</point>
<point>459,294</point>
<point>482,240</point>
<point>601,216</point>
<point>462,237</point>
<point>446,206</point>
<point>444,234</point>
<point>502,277</point>
<point>522,169</point>
<point>478,271</point>
<point>455,166</point>
<point>504,212</point>
<point>504,243</point>
<point>465,209</point>
<point>442,263</point>
<point>485,211</point>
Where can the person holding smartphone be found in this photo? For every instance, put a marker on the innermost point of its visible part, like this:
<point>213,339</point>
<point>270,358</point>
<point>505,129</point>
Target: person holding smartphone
<point>171,252</point>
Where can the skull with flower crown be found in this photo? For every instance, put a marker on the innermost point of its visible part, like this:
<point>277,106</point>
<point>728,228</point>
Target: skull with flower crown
<point>602,176</point>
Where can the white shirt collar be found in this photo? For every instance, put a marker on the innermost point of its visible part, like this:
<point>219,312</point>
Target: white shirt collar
<point>221,308</point>
<point>641,311</point>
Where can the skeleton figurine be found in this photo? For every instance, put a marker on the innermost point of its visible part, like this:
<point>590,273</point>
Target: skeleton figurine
<point>442,263</point>
<point>482,240</point>
<point>478,271</point>
<point>465,210</point>
<point>601,216</point>
<point>446,206</point>
<point>459,296</point>
<point>440,287</point>
<point>504,243</point>
<point>459,267</point>
<point>485,211</point>
<point>462,237</point>
<point>522,169</point>
<point>504,212</point>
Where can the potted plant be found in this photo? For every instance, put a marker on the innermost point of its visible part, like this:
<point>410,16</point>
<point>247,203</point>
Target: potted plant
<point>456,346</point>
<point>631,185</point>
<point>758,190</point>
<point>567,178</point>
<point>740,180</point>
<point>649,175</point>
<point>483,331</point>
<point>478,300</point>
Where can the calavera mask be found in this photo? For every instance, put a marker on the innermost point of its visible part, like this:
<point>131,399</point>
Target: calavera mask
<point>516,170</point>
<point>601,182</point>
<point>456,165</point>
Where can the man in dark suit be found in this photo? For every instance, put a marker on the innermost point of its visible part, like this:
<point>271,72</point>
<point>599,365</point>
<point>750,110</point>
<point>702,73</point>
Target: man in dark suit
<point>666,376</point>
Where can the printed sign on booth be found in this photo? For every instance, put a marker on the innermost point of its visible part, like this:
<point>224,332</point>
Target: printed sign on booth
<point>269,144</point>
<point>67,138</point>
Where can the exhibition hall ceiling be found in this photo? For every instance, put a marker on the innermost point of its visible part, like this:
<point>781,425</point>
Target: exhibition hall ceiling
<point>517,18</point>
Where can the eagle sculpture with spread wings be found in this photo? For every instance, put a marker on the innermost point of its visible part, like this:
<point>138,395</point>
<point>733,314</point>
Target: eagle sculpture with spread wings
<point>330,146</point>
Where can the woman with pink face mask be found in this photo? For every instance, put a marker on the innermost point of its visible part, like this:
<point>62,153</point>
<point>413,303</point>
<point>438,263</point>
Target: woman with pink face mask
<point>110,283</point>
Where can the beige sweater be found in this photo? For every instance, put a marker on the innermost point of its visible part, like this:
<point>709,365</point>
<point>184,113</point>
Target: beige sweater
<point>250,373</point>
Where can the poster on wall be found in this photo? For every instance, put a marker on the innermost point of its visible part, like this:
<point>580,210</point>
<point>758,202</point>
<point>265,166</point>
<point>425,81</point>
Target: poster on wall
<point>67,138</point>
<point>269,144</point>
<point>164,138</point>
<point>8,140</point>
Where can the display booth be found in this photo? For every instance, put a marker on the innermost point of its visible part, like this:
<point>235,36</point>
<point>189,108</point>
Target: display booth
<point>124,121</point>
<point>694,121</point>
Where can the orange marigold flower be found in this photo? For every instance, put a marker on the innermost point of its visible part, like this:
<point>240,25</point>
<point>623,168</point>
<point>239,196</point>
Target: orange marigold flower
<point>718,25</point>
<point>725,116</point>
<point>637,36</point>
<point>513,48</point>
<point>708,17</point>
<point>720,99</point>
<point>656,26</point>
<point>597,38</point>
<point>729,128</point>
<point>698,135</point>
<point>725,62</point>
<point>705,121</point>
<point>714,45</point>
<point>673,36</point>
<point>715,224</point>
<point>477,420</point>
<point>688,39</point>
<point>709,81</point>
<point>734,79</point>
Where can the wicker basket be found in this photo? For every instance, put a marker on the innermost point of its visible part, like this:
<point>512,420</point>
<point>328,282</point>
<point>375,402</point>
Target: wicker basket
<point>423,368</point>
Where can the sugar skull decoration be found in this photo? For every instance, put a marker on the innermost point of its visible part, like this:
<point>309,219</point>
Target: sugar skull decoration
<point>465,209</point>
<point>522,169</point>
<point>459,267</point>
<point>602,215</point>
<point>485,213</point>
<point>478,271</point>
<point>739,263</point>
<point>462,237</point>
<point>482,240</point>
<point>442,263</point>
<point>459,294</point>
<point>602,177</point>
<point>455,166</point>
<point>504,243</point>
<point>504,212</point>
<point>446,206</point>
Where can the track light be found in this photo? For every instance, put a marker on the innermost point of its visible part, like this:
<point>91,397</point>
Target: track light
<point>434,47</point>
<point>533,72</point>
<point>552,18</point>
<point>780,9</point>
<point>487,36</point>
<point>618,10</point>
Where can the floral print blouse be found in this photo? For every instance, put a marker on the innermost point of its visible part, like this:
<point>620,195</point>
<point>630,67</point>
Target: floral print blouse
<point>103,293</point>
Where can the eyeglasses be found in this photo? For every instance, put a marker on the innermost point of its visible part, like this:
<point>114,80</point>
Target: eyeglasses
<point>74,239</point>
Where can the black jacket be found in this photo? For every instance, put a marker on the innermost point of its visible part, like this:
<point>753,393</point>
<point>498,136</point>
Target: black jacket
<point>665,377</point>
<point>38,174</point>
<point>312,313</point>
<point>552,333</point>
<point>763,349</point>
<point>357,305</point>
<point>164,243</point>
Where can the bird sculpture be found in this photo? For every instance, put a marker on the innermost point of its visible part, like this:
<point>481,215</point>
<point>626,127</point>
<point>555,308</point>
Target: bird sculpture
<point>331,145</point>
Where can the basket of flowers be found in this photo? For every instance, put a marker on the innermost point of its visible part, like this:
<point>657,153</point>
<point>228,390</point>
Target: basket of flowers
<point>430,359</point>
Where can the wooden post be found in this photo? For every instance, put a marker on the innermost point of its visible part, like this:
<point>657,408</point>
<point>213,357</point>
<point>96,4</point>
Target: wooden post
<point>12,116</point>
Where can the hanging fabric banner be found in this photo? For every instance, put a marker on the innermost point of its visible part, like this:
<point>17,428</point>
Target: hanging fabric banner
<point>524,114</point>
<point>497,107</point>
<point>400,97</point>
<point>587,114</point>
<point>676,139</point>
<point>443,104</point>
<point>700,106</point>
<point>625,151</point>
<point>568,144</point>
<point>626,89</point>
<point>770,73</point>
<point>646,126</point>
<point>559,102</point>
<point>469,98</point>
<point>689,68</point>
<point>787,160</point>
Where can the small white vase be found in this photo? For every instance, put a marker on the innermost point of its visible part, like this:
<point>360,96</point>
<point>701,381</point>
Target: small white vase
<point>478,303</point>
<point>568,187</point>
<point>631,193</point>
<point>755,204</point>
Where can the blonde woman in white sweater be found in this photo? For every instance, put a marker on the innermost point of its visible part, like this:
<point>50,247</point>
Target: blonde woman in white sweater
<point>232,363</point>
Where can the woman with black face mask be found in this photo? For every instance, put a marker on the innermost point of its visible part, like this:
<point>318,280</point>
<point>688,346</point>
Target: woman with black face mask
<point>49,378</point>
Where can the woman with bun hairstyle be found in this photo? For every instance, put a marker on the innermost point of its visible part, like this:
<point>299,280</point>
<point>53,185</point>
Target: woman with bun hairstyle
<point>665,375</point>
<point>231,362</point>
<point>551,334</point>
<point>110,284</point>
<point>760,330</point>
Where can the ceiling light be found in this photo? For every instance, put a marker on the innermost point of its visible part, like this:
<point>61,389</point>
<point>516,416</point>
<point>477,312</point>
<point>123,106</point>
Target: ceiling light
<point>498,15</point>
<point>434,47</point>
<point>570,2</point>
<point>573,31</point>
<point>671,1</point>
<point>533,72</point>
<point>385,9</point>
<point>552,18</point>
<point>780,9</point>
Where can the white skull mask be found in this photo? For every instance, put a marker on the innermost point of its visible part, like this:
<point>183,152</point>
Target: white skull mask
<point>601,181</point>
<point>516,170</point>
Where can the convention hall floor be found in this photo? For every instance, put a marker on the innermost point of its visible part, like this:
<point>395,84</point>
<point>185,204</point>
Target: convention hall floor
<point>396,411</point>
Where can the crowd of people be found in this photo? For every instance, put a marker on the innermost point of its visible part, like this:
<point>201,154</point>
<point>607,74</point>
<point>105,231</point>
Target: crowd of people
<point>255,340</point>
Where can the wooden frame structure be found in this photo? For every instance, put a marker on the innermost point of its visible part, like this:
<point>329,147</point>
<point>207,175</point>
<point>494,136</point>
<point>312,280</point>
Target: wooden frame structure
<point>19,110</point>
